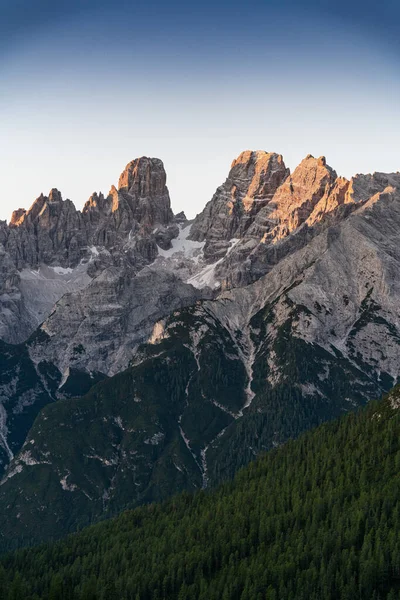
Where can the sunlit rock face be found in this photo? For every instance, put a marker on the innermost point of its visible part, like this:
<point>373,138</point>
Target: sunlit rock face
<point>295,199</point>
<point>252,181</point>
<point>308,201</point>
<point>140,203</point>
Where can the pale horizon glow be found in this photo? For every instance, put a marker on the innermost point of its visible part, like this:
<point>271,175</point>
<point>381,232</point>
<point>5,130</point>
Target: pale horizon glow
<point>77,106</point>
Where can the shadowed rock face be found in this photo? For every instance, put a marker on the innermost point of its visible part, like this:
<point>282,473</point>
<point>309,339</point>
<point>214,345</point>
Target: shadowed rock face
<point>52,231</point>
<point>121,230</point>
<point>144,179</point>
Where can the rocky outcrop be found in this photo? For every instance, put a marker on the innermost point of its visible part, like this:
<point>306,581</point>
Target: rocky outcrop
<point>51,231</point>
<point>252,182</point>
<point>310,200</point>
<point>140,203</point>
<point>144,179</point>
<point>123,229</point>
<point>109,319</point>
<point>295,199</point>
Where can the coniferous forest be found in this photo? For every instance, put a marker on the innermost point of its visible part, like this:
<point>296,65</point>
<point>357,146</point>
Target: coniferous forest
<point>316,519</point>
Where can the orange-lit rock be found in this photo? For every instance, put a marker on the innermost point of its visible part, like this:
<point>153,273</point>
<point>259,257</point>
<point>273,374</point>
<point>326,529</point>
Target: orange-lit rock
<point>252,181</point>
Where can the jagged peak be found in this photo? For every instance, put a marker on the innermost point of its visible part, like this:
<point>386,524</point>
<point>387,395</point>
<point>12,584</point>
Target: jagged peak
<point>34,210</point>
<point>113,195</point>
<point>94,200</point>
<point>253,169</point>
<point>55,195</point>
<point>143,177</point>
<point>310,162</point>
<point>17,217</point>
<point>181,217</point>
<point>253,179</point>
<point>252,156</point>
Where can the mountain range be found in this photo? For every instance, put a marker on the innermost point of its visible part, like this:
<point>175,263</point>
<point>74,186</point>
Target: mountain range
<point>143,354</point>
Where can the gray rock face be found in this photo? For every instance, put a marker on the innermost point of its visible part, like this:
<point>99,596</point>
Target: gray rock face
<point>109,318</point>
<point>51,230</point>
<point>123,229</point>
<point>252,181</point>
<point>144,180</point>
<point>345,281</point>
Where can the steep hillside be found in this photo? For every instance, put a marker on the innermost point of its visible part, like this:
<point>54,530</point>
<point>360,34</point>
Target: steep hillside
<point>317,519</point>
<point>25,388</point>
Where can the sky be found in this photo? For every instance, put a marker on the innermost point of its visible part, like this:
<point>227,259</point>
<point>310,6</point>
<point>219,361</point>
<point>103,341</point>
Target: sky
<point>87,86</point>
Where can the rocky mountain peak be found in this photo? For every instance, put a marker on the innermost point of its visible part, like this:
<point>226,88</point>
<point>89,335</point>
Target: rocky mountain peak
<point>295,199</point>
<point>17,217</point>
<point>255,176</point>
<point>114,199</point>
<point>144,181</point>
<point>180,217</point>
<point>143,177</point>
<point>252,181</point>
<point>308,201</point>
<point>23,216</point>
<point>55,195</point>
<point>95,203</point>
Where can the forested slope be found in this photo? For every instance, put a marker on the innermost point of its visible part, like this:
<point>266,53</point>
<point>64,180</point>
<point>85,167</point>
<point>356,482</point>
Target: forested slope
<point>316,519</point>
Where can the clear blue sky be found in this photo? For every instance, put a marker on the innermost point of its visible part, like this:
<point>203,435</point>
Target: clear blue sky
<point>84,91</point>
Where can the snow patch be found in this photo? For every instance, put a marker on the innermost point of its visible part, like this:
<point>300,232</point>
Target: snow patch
<point>206,277</point>
<point>108,462</point>
<point>94,251</point>
<point>61,270</point>
<point>181,247</point>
